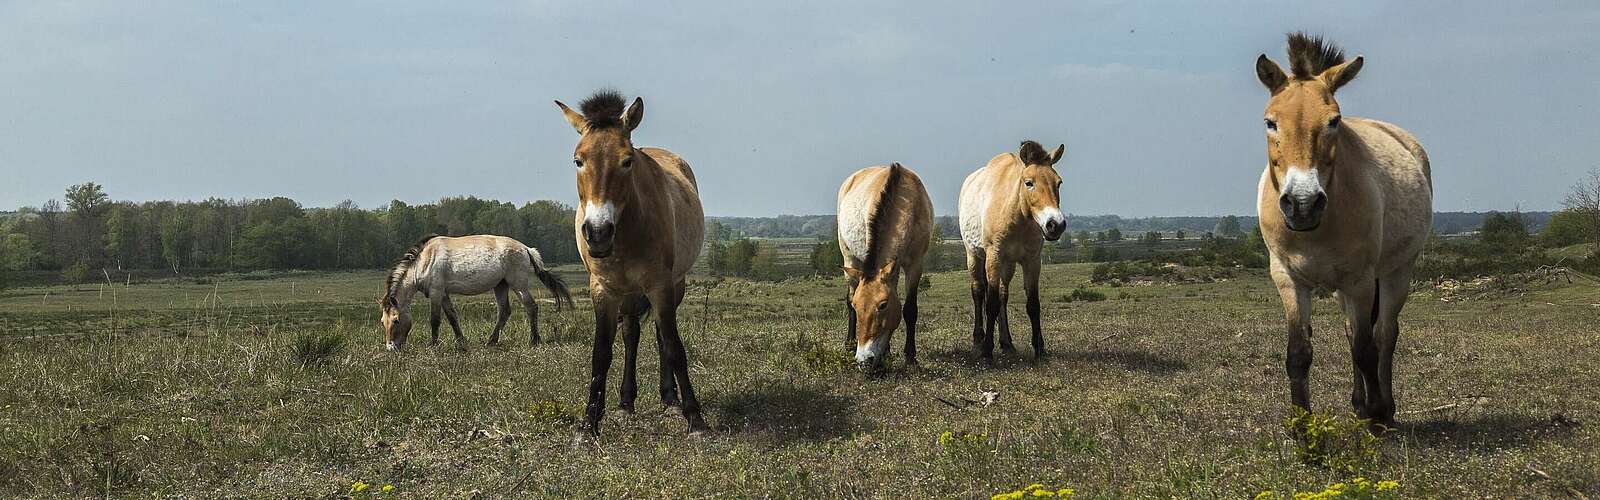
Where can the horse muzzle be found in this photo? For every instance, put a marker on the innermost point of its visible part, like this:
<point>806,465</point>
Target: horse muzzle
<point>600,237</point>
<point>1303,213</point>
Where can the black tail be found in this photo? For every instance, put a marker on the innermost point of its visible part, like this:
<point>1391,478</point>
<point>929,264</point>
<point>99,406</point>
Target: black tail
<point>552,282</point>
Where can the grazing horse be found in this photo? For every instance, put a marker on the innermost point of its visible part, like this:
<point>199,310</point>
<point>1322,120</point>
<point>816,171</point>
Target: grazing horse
<point>1008,208</point>
<point>439,266</point>
<point>885,222</point>
<point>639,227</point>
<point>1344,204</point>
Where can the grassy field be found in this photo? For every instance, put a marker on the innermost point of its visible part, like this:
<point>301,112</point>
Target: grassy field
<point>239,386</point>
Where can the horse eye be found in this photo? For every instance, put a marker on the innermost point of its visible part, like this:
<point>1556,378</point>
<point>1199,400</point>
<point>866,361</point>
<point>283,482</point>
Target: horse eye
<point>1272,125</point>
<point>577,162</point>
<point>627,162</point>
<point>1028,183</point>
<point>883,305</point>
<point>1334,122</point>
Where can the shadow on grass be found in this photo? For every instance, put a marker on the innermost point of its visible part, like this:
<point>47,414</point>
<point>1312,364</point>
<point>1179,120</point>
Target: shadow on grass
<point>784,413</point>
<point>1482,432</point>
<point>1132,360</point>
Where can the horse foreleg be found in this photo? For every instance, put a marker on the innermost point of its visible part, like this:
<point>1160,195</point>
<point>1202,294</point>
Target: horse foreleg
<point>850,314</point>
<point>434,317</point>
<point>455,323</point>
<point>1297,312</point>
<point>677,356</point>
<point>631,316</point>
<point>909,312</point>
<point>605,329</point>
<point>976,268</point>
<point>502,304</point>
<point>1359,310</point>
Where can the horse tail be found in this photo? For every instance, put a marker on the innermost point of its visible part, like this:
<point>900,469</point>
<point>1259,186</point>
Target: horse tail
<point>552,282</point>
<point>1377,290</point>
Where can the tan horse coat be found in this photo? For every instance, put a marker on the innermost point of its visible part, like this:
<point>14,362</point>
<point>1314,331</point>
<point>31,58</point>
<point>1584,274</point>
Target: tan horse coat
<point>1008,208</point>
<point>639,227</point>
<point>884,232</point>
<point>1345,204</point>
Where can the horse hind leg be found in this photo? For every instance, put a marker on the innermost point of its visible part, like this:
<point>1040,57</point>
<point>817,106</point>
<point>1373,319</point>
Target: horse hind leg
<point>435,315</point>
<point>975,267</point>
<point>1393,290</point>
<point>502,305</point>
<point>677,356</point>
<point>529,304</point>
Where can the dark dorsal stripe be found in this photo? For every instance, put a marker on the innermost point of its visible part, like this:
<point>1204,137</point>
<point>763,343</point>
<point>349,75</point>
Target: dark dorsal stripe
<point>880,223</point>
<point>1310,55</point>
<point>397,274</point>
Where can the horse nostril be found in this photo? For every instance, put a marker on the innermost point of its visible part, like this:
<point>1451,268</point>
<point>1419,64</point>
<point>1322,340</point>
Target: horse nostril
<point>1320,203</point>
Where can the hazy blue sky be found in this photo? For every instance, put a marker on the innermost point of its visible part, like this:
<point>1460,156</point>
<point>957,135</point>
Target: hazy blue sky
<point>773,103</point>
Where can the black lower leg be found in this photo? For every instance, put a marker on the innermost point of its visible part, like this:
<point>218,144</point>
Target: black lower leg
<point>1033,320</point>
<point>678,358</point>
<point>605,327</point>
<point>630,358</point>
<point>668,382</point>
<point>910,315</point>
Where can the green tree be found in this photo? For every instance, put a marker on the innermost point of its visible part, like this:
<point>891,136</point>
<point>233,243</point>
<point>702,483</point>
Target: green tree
<point>1504,232</point>
<point>1228,227</point>
<point>1151,238</point>
<point>826,259</point>
<point>76,274</point>
<point>1179,235</point>
<point>739,255</point>
<point>122,236</point>
<point>1567,227</point>
<point>1113,234</point>
<point>764,263</point>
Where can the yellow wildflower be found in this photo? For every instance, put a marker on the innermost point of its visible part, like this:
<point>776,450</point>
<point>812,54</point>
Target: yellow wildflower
<point>1065,493</point>
<point>1044,493</point>
<point>388,488</point>
<point>1388,485</point>
<point>1265,495</point>
<point>1034,486</point>
<point>358,487</point>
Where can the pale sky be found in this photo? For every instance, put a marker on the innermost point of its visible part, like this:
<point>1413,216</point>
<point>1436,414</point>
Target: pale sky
<point>773,103</point>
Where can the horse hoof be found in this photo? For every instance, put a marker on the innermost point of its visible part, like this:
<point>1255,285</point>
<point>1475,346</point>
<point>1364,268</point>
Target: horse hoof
<point>701,433</point>
<point>625,410</point>
<point>583,439</point>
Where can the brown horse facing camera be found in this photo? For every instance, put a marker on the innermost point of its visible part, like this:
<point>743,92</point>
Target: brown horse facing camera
<point>639,227</point>
<point>885,223</point>
<point>1008,208</point>
<point>1345,204</point>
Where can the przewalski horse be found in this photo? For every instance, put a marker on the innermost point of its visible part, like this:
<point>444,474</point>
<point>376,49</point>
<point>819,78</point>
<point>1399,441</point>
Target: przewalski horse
<point>439,266</point>
<point>639,227</point>
<point>1345,204</point>
<point>885,222</point>
<point>1008,208</point>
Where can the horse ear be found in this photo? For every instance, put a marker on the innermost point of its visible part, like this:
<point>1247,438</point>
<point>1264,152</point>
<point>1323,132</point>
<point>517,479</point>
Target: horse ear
<point>634,114</point>
<point>1055,156</point>
<point>1270,74</point>
<point>574,118</point>
<point>852,272</point>
<point>887,268</point>
<point>1339,75</point>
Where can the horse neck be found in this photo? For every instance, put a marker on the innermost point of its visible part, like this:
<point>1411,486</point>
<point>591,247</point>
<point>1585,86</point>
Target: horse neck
<point>406,289</point>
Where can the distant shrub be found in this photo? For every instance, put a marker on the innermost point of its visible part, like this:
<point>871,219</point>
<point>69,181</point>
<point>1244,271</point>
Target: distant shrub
<point>1339,443</point>
<point>1082,294</point>
<point>76,274</point>
<point>316,349</point>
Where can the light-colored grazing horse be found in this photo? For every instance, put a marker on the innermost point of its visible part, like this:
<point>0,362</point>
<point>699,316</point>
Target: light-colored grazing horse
<point>1008,208</point>
<point>885,222</point>
<point>1345,204</point>
<point>639,228</point>
<point>439,266</point>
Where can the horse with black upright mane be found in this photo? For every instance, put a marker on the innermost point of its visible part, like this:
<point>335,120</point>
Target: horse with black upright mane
<point>1008,208</point>
<point>1345,204</point>
<point>438,266</point>
<point>885,224</point>
<point>639,227</point>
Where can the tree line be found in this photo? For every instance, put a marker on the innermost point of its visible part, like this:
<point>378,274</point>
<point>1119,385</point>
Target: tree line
<point>91,232</point>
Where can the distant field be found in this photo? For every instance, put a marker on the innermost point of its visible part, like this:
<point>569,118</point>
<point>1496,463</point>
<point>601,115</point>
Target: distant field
<point>192,386</point>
